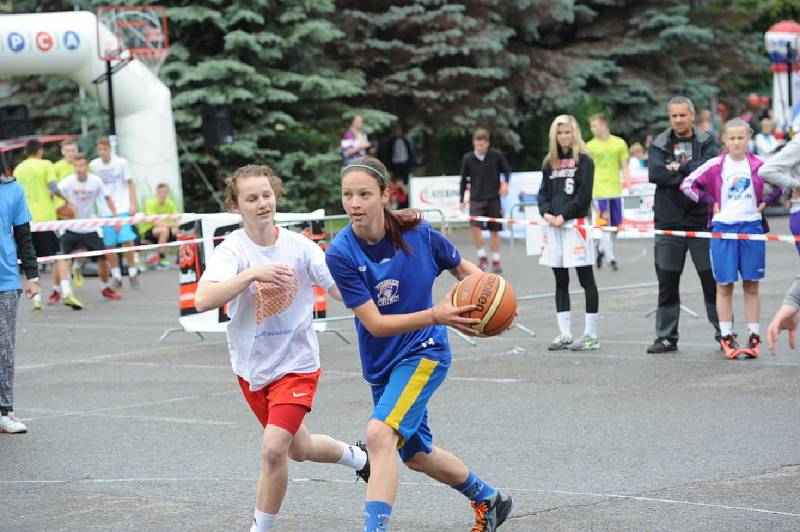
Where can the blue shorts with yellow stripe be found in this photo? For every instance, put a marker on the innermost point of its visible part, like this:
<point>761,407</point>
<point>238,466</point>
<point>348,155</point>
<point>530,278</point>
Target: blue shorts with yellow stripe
<point>402,402</point>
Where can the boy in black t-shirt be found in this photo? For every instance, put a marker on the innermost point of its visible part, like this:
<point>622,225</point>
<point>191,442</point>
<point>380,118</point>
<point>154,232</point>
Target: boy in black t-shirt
<point>488,173</point>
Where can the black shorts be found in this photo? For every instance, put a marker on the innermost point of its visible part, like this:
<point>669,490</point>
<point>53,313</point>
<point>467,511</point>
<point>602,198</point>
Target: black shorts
<point>150,237</point>
<point>46,243</point>
<point>71,241</point>
<point>489,208</point>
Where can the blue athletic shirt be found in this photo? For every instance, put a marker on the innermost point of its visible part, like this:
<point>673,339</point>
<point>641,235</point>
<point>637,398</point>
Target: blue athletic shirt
<point>399,283</point>
<point>13,211</point>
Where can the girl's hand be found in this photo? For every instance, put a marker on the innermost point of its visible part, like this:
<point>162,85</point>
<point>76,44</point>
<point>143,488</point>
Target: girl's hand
<point>715,209</point>
<point>273,273</point>
<point>446,314</point>
<point>762,206</point>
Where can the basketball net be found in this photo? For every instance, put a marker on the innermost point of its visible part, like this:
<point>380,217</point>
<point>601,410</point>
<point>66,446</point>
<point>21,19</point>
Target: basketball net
<point>125,33</point>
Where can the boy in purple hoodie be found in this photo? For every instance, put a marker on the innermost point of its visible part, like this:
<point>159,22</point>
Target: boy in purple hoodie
<point>731,185</point>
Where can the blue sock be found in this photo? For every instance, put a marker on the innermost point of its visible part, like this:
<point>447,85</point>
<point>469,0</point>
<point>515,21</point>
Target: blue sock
<point>376,516</point>
<point>475,489</point>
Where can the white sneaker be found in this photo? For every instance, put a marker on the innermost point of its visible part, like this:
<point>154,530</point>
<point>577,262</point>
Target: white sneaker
<point>11,424</point>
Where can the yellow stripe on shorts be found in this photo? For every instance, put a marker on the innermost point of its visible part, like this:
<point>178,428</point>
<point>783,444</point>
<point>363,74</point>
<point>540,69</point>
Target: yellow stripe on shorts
<point>410,393</point>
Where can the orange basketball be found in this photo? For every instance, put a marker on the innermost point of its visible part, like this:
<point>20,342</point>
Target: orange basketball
<point>497,304</point>
<point>65,212</point>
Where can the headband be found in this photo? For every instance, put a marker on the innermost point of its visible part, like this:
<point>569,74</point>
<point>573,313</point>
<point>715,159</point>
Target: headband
<point>366,167</point>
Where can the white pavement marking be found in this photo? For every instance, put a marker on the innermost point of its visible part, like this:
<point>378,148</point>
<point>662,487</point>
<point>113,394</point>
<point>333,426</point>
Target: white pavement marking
<point>135,405</point>
<point>423,484</point>
<point>102,358</point>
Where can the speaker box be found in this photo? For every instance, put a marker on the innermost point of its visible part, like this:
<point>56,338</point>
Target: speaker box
<point>14,121</point>
<point>217,126</point>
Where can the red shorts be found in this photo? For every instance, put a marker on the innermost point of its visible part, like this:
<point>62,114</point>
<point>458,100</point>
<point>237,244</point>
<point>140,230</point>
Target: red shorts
<point>293,389</point>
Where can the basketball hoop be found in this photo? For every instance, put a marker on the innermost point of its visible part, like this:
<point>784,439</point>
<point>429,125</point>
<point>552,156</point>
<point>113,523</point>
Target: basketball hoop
<point>125,33</point>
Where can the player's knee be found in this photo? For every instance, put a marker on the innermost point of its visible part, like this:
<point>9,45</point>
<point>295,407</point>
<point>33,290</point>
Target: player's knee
<point>272,454</point>
<point>298,451</point>
<point>750,287</point>
<point>380,436</point>
<point>417,463</point>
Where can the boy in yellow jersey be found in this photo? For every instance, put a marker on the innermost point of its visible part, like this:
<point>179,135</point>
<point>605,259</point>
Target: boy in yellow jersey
<point>163,231</point>
<point>38,180</point>
<point>610,155</point>
<point>64,167</point>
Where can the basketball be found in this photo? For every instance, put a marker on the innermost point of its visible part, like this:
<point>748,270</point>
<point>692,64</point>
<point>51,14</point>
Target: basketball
<point>497,304</point>
<point>65,212</point>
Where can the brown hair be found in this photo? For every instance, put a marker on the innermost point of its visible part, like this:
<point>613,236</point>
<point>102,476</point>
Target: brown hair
<point>162,185</point>
<point>80,156</point>
<point>395,222</point>
<point>251,170</point>
<point>599,116</point>
<point>69,142</point>
<point>481,134</point>
<point>103,141</point>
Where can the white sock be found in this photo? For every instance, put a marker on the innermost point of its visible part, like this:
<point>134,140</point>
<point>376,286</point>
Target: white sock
<point>481,253</point>
<point>496,256</point>
<point>353,456</point>
<point>132,271</point>
<point>38,297</point>
<point>607,241</point>
<point>754,328</point>
<point>590,328</point>
<point>116,273</point>
<point>103,285</point>
<point>65,287</point>
<point>726,328</point>
<point>564,323</point>
<point>263,522</point>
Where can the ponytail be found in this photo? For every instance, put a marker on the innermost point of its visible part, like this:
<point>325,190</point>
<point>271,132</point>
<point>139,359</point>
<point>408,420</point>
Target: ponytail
<point>395,222</point>
<point>398,222</point>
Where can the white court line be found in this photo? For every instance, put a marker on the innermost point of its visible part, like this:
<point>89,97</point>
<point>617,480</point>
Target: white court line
<point>124,354</point>
<point>134,405</point>
<point>424,484</point>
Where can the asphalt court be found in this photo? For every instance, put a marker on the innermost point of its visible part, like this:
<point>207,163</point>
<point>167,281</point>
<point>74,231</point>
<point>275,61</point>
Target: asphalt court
<point>126,433</point>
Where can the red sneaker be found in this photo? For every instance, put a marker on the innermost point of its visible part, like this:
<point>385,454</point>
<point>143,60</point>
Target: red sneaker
<point>54,298</point>
<point>753,343</point>
<point>110,293</point>
<point>729,347</point>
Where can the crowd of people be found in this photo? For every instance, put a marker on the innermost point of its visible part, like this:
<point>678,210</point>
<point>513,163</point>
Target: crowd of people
<point>79,187</point>
<point>383,265</point>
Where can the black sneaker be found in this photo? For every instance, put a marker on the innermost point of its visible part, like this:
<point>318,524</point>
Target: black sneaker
<point>492,512</point>
<point>363,473</point>
<point>613,264</point>
<point>662,345</point>
<point>599,262</point>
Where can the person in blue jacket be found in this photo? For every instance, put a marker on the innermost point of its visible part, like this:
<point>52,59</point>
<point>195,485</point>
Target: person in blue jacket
<point>385,264</point>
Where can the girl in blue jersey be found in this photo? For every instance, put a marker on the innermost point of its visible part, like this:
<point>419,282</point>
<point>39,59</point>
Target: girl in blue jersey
<point>384,264</point>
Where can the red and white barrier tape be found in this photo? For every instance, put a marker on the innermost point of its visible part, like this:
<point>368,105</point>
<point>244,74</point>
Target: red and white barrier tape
<point>141,247</point>
<point>667,232</point>
<point>86,223</point>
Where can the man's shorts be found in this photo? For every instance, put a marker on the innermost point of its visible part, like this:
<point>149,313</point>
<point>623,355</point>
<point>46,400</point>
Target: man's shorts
<point>402,402</point>
<point>609,210</point>
<point>150,237</point>
<point>291,389</point>
<point>72,241</point>
<point>731,257</point>
<point>490,208</point>
<point>46,243</point>
<point>112,238</point>
<point>567,246</point>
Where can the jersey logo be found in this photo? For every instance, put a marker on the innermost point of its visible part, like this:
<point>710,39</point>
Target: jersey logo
<point>738,188</point>
<point>388,292</point>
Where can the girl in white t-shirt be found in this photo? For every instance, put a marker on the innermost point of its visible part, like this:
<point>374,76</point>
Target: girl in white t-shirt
<point>265,276</point>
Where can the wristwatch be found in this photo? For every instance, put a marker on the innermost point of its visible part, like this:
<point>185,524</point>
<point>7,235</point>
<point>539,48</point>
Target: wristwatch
<point>33,280</point>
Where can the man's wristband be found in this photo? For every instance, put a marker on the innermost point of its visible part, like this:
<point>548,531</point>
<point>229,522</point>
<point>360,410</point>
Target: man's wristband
<point>33,280</point>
